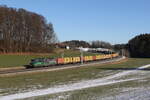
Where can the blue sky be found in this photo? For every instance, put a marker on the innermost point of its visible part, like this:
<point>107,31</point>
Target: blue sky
<point>114,21</point>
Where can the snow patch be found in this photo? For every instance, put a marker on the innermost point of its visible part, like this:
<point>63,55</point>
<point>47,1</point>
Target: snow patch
<point>63,88</point>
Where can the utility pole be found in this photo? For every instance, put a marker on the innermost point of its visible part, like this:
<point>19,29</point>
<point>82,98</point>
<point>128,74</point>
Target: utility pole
<point>62,55</point>
<point>111,52</point>
<point>122,51</point>
<point>81,51</point>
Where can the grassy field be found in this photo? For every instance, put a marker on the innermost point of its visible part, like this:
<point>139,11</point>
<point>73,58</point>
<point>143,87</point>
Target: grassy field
<point>28,82</point>
<point>15,60</point>
<point>108,92</point>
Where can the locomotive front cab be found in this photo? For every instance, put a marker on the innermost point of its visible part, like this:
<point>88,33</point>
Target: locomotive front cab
<point>36,62</point>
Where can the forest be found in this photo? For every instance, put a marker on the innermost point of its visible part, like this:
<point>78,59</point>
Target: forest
<point>137,47</point>
<point>24,31</point>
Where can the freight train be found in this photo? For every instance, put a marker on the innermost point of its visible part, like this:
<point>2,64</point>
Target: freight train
<point>45,62</point>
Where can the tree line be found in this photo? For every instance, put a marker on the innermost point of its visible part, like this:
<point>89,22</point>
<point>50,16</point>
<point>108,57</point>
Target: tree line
<point>24,31</point>
<point>76,43</point>
<point>85,44</point>
<point>139,46</point>
<point>101,44</point>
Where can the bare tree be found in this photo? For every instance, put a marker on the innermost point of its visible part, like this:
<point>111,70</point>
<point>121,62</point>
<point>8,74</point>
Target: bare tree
<point>24,31</point>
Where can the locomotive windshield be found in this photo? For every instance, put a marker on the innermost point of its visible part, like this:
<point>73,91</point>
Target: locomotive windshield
<point>37,60</point>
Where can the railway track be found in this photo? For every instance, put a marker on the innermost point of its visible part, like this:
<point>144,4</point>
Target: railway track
<point>59,67</point>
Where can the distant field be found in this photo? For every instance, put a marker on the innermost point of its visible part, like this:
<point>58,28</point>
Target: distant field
<point>15,60</point>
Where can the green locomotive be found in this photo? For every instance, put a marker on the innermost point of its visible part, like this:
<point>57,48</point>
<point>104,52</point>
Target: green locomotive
<point>42,62</point>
